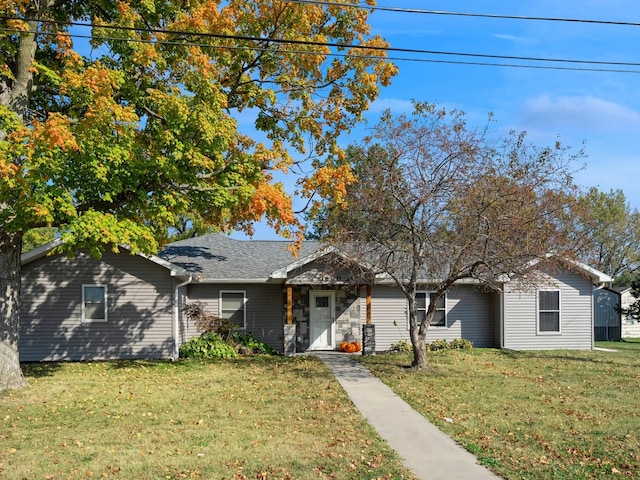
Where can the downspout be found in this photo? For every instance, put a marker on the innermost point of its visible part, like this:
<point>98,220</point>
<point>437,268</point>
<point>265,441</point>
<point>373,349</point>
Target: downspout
<point>501,316</point>
<point>176,315</point>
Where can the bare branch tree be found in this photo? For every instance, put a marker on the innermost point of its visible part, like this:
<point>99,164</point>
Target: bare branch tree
<point>437,203</point>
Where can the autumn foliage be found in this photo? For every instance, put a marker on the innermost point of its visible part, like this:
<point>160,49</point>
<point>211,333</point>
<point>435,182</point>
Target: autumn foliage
<point>143,122</point>
<point>117,118</point>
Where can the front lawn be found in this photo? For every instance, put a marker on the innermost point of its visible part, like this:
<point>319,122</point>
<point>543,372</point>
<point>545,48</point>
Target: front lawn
<point>531,415</point>
<point>261,418</point>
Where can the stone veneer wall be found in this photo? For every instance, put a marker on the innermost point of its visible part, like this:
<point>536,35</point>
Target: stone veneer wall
<point>347,313</point>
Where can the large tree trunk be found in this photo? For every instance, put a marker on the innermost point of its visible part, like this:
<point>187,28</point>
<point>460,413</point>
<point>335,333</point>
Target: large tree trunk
<point>418,338</point>
<point>419,344</point>
<point>10,372</point>
<point>15,95</point>
<point>418,331</point>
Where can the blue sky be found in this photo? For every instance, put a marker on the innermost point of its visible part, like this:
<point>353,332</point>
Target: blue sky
<point>600,109</point>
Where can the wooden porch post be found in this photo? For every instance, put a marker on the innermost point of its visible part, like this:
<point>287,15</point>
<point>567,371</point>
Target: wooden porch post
<point>289,305</point>
<point>289,327</point>
<point>368,329</point>
<point>368,304</point>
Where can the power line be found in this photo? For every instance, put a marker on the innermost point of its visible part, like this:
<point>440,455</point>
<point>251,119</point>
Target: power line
<point>343,55</point>
<point>466,14</point>
<point>336,45</point>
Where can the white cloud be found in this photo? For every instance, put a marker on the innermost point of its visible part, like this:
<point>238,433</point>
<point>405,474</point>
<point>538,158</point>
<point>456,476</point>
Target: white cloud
<point>512,38</point>
<point>397,106</point>
<point>586,113</point>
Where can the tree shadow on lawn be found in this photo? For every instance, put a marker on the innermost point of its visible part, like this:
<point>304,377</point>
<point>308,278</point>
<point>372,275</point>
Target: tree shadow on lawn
<point>49,369</point>
<point>303,367</point>
<point>390,364</point>
<point>139,363</point>
<point>296,365</point>
<point>40,369</point>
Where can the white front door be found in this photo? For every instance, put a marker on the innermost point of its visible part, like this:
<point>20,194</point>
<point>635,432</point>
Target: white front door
<point>321,320</point>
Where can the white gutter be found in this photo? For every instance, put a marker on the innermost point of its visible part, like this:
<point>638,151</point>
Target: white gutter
<point>386,280</point>
<point>220,281</point>
<point>176,314</point>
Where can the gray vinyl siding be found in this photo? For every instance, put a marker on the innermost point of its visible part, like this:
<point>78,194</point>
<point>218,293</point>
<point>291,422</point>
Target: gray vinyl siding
<point>576,315</point>
<point>264,309</point>
<point>469,316</point>
<point>389,315</point>
<point>139,309</point>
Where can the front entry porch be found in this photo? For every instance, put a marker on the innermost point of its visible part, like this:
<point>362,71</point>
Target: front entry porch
<point>320,317</point>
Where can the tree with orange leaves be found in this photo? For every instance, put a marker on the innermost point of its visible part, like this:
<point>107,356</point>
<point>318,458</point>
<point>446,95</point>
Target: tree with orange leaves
<point>117,117</point>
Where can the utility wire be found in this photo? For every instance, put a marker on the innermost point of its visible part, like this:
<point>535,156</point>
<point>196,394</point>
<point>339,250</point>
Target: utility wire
<point>343,55</point>
<point>465,14</point>
<point>333,45</point>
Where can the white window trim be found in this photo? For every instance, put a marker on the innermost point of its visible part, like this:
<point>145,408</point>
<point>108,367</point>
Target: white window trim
<point>244,305</point>
<point>106,304</point>
<point>427,294</point>
<point>538,311</point>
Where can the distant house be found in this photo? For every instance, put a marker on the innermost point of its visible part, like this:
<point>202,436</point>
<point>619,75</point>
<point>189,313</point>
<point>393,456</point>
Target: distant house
<point>630,326</point>
<point>130,306</point>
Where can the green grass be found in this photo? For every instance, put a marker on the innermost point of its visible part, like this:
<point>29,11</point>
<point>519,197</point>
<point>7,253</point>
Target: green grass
<point>251,418</point>
<point>626,345</point>
<point>531,415</point>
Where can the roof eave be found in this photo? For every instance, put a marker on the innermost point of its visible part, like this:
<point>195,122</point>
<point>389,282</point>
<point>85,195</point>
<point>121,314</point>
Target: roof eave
<point>596,275</point>
<point>174,270</point>
<point>40,252</point>
<point>220,281</point>
<point>387,280</point>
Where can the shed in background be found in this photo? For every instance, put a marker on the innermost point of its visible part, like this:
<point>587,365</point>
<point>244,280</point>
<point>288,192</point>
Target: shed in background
<point>607,319</point>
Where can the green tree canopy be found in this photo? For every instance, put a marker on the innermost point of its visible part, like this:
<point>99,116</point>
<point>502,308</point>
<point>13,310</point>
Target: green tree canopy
<point>612,231</point>
<point>111,139</point>
<point>36,237</point>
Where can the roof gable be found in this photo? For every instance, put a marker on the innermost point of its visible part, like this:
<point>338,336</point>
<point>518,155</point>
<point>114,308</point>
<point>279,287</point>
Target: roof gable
<point>596,275</point>
<point>49,248</point>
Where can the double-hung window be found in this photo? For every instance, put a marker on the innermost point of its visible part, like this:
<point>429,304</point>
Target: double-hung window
<point>548,311</point>
<point>94,303</point>
<point>439,316</point>
<point>232,306</point>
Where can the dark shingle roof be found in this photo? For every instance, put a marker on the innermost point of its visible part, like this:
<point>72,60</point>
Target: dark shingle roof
<point>218,257</point>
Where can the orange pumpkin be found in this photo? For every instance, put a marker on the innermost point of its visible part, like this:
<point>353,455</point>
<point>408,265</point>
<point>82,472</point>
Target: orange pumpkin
<point>350,348</point>
<point>358,346</point>
<point>343,345</point>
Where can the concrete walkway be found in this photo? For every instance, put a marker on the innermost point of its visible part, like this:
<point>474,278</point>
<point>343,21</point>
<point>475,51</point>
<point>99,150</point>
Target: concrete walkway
<point>426,451</point>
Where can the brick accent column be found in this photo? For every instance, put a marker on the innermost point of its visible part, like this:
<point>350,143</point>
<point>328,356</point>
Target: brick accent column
<point>289,339</point>
<point>369,339</point>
